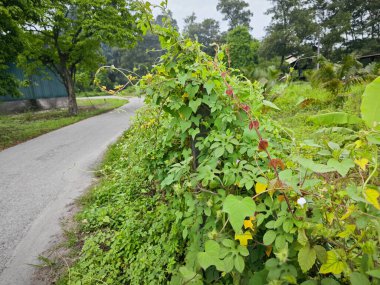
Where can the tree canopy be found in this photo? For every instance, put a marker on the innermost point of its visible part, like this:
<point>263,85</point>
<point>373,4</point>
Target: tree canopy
<point>70,34</point>
<point>236,12</point>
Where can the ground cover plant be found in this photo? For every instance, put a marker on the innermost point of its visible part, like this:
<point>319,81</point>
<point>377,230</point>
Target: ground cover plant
<point>17,128</point>
<point>206,188</point>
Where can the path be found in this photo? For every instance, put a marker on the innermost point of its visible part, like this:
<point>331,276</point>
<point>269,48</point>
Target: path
<point>40,177</point>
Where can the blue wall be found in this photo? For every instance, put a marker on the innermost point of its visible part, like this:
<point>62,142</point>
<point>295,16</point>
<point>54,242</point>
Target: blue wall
<point>46,85</point>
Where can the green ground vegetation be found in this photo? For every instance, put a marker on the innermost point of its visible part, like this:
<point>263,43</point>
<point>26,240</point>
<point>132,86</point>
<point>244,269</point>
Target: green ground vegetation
<point>17,128</point>
<point>220,182</point>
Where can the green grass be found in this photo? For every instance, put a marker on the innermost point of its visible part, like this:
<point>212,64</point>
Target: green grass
<point>300,100</point>
<point>18,128</point>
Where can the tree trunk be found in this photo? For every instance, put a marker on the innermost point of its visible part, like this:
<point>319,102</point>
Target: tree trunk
<point>69,84</point>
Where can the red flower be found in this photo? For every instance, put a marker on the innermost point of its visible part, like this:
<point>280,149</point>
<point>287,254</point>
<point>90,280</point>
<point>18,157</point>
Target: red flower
<point>263,144</point>
<point>229,91</point>
<point>254,125</point>
<point>246,108</point>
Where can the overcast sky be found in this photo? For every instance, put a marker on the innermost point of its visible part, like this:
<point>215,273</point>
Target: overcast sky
<point>207,9</point>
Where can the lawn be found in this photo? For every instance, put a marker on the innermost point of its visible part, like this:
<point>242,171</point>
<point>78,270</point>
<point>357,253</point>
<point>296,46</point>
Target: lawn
<point>21,127</point>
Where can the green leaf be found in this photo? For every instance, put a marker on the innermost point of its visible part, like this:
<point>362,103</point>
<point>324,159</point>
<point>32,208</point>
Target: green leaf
<point>239,263</point>
<point>302,238</point>
<point>315,167</point>
<point>269,237</point>
<point>209,85</point>
<point>270,104</point>
<point>219,152</point>
<point>310,282</point>
<point>374,273</point>
<point>357,278</point>
<point>237,209</point>
<point>191,90</point>
<point>329,281</point>
<point>287,225</point>
<point>341,167</point>
<point>194,104</point>
<point>306,257</point>
<point>335,118</point>
<point>371,104</point>
<point>210,256</point>
<point>334,263</point>
<point>321,253</point>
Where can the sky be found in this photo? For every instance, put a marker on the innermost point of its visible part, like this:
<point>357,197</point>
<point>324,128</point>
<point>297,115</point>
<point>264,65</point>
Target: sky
<point>207,9</point>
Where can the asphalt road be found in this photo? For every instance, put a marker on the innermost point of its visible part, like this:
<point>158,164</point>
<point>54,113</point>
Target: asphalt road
<point>40,177</point>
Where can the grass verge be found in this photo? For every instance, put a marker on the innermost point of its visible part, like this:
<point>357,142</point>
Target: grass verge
<point>17,128</point>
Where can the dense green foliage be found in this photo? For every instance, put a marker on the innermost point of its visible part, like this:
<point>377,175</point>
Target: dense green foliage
<point>207,189</point>
<point>69,34</point>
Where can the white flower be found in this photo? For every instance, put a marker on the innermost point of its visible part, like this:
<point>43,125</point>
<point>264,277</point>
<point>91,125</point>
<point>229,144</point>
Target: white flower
<point>301,201</point>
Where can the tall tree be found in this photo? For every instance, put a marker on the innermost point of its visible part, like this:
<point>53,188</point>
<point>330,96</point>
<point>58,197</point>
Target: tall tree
<point>13,14</point>
<point>236,12</point>
<point>206,32</point>
<point>291,30</point>
<point>70,36</point>
<point>242,48</point>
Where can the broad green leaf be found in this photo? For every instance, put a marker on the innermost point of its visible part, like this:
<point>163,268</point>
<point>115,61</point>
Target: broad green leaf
<point>349,229</point>
<point>210,256</point>
<point>374,273</point>
<point>371,104</point>
<point>239,263</point>
<point>334,263</point>
<point>269,237</point>
<point>329,281</point>
<point>335,118</point>
<point>194,104</point>
<point>357,278</point>
<point>310,282</point>
<point>313,166</point>
<point>306,257</point>
<point>341,167</point>
<point>237,209</point>
<point>209,85</point>
<point>321,253</point>
<point>191,90</point>
<point>302,238</point>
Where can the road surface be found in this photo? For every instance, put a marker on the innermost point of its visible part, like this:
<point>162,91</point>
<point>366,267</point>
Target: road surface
<point>40,177</point>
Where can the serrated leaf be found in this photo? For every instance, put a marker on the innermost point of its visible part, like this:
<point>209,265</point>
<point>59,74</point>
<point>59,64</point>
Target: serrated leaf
<point>237,209</point>
<point>306,257</point>
<point>334,263</point>
<point>357,278</point>
<point>302,238</point>
<point>269,237</point>
<point>372,196</point>
<point>321,253</point>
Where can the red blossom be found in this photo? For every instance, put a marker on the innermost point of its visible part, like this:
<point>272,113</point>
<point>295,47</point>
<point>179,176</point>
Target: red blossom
<point>254,125</point>
<point>246,108</point>
<point>263,144</point>
<point>229,91</point>
<point>277,163</point>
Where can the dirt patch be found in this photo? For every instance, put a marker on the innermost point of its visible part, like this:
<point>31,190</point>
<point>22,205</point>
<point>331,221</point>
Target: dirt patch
<point>55,262</point>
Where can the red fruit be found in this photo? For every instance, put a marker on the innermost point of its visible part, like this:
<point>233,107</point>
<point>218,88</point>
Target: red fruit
<point>254,125</point>
<point>263,144</point>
